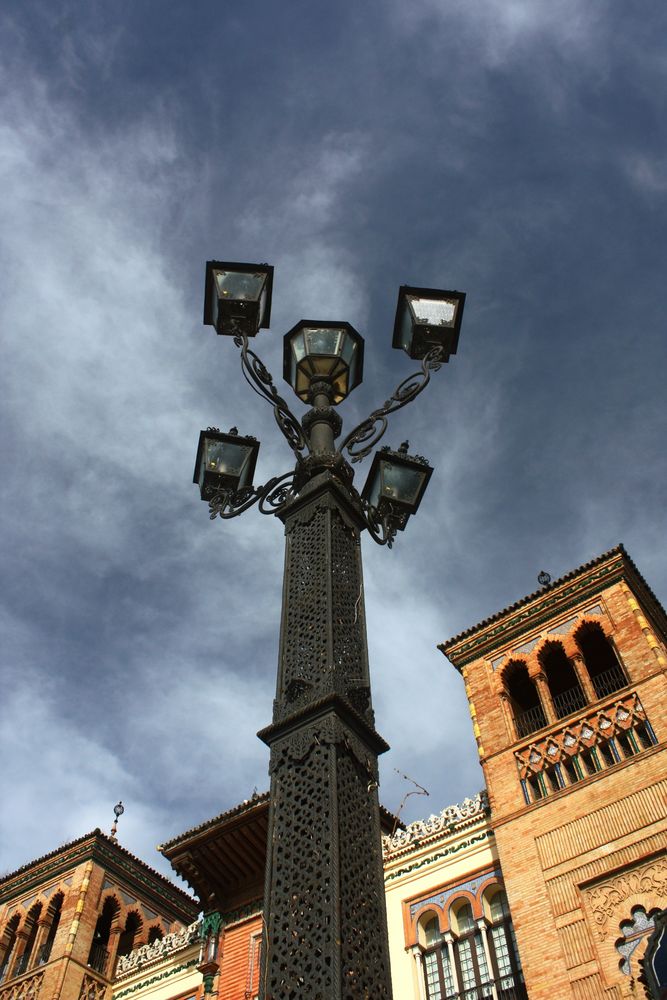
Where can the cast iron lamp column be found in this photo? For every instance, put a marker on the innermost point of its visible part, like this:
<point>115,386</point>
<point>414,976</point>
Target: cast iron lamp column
<point>324,908</point>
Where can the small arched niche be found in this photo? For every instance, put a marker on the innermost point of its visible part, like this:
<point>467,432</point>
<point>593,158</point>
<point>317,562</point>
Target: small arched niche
<point>600,659</point>
<point>524,698</point>
<point>566,693</point>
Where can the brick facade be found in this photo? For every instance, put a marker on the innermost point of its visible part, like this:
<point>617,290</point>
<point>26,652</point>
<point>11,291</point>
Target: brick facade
<point>578,803</point>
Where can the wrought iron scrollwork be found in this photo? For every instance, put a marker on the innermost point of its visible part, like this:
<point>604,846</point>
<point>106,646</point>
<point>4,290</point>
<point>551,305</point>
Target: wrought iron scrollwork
<point>260,380</point>
<point>362,440</point>
<point>271,498</point>
<point>383,525</point>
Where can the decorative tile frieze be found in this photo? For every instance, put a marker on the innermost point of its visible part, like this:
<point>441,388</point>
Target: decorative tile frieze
<point>527,647</point>
<point>440,899</point>
<point>565,627</point>
<point>498,661</point>
<point>599,726</point>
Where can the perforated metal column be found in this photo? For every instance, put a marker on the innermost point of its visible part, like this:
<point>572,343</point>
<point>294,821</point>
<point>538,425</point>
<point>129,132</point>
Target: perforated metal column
<point>324,909</point>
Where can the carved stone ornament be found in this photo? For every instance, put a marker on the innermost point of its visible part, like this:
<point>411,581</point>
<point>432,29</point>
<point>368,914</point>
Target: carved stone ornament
<point>148,954</point>
<point>446,821</point>
<point>605,900</point>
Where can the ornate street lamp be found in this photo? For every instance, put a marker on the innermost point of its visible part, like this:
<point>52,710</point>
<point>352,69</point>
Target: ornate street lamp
<point>225,462</point>
<point>238,297</point>
<point>324,911</point>
<point>428,318</point>
<point>323,352</point>
<point>395,486</point>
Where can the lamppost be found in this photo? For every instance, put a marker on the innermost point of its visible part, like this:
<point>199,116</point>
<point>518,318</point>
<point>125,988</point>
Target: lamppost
<point>324,911</point>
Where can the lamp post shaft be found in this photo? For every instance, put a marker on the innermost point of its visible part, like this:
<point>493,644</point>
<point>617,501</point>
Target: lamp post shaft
<point>324,908</point>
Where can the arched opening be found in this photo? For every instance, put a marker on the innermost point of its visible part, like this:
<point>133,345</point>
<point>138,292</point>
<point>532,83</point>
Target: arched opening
<point>8,943</point>
<point>566,693</point>
<point>129,934</point>
<point>99,955</point>
<point>53,916</point>
<point>504,951</point>
<point>437,967</point>
<point>472,966</point>
<point>524,699</point>
<point>31,927</point>
<point>600,660</point>
<point>155,934</point>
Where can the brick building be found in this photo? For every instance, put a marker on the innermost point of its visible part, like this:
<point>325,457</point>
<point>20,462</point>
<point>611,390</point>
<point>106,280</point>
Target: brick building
<point>545,888</point>
<point>567,695</point>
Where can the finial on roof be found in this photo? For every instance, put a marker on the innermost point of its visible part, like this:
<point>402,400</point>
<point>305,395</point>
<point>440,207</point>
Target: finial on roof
<point>544,579</point>
<point>118,810</point>
<point>403,448</point>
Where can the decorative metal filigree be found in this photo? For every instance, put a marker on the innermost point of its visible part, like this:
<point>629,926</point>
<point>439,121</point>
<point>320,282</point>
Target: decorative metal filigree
<point>383,525</point>
<point>260,380</point>
<point>271,498</point>
<point>370,431</point>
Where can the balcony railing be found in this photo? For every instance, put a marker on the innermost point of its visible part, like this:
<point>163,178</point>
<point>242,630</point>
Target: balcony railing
<point>98,958</point>
<point>569,701</point>
<point>608,682</point>
<point>529,721</point>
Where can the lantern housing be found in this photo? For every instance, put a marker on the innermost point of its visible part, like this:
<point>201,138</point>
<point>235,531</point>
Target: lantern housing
<point>427,318</point>
<point>237,297</point>
<point>318,351</point>
<point>225,462</point>
<point>396,484</point>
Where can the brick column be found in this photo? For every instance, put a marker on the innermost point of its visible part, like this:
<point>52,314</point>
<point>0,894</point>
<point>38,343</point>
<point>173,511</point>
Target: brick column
<point>544,695</point>
<point>583,677</point>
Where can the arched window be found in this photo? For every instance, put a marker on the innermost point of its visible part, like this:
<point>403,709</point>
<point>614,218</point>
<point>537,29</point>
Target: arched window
<point>566,692</point>
<point>31,927</point>
<point>505,953</point>
<point>53,917</point>
<point>636,932</point>
<point>437,963</point>
<point>526,706</point>
<point>99,956</point>
<point>8,943</point>
<point>460,970</point>
<point>127,938</point>
<point>601,662</point>
<point>474,973</point>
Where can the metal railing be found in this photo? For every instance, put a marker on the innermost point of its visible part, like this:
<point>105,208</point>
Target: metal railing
<point>569,701</point>
<point>530,720</point>
<point>608,682</point>
<point>98,958</point>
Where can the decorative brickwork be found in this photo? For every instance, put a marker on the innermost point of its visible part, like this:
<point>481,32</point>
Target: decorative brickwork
<point>579,808</point>
<point>25,989</point>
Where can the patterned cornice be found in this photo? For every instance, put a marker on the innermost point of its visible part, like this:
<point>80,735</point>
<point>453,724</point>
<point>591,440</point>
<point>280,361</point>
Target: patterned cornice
<point>431,859</point>
<point>143,983</point>
<point>533,611</point>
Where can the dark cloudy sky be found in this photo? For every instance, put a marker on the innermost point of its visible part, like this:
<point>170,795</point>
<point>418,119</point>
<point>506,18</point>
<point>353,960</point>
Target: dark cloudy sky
<point>511,148</point>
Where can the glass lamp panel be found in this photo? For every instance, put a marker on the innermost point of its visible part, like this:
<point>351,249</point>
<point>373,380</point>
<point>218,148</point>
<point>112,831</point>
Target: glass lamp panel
<point>406,328</point>
<point>240,285</point>
<point>433,312</point>
<point>227,459</point>
<point>401,483</point>
<point>323,341</point>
